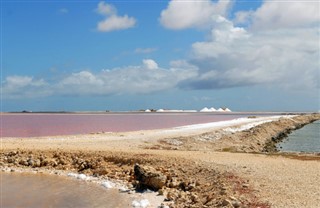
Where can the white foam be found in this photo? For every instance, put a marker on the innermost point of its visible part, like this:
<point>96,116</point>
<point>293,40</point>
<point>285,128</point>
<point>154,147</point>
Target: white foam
<point>79,176</point>
<point>82,177</point>
<point>108,184</point>
<point>142,203</point>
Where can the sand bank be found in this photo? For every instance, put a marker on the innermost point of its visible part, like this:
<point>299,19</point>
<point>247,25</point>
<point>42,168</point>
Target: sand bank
<point>198,171</point>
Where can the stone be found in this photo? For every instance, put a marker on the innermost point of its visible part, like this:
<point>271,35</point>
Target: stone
<point>30,162</point>
<point>148,177</point>
<point>226,202</point>
<point>234,202</point>
<point>37,163</point>
<point>10,160</point>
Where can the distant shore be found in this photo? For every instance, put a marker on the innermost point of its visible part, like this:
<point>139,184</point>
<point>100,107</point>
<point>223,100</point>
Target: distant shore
<point>209,166</point>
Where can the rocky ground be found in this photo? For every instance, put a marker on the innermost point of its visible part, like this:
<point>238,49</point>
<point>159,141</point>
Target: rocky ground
<point>202,170</point>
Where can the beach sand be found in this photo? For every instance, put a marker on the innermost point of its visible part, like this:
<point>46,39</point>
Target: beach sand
<point>223,164</point>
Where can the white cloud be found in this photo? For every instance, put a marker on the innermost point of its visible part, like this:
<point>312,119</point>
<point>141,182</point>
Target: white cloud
<point>106,9</point>
<point>243,17</point>
<point>275,14</point>
<point>150,64</point>
<point>130,79</point>
<point>24,86</point>
<point>146,78</point>
<point>116,23</point>
<point>192,14</point>
<point>286,58</point>
<point>145,50</point>
<point>113,21</point>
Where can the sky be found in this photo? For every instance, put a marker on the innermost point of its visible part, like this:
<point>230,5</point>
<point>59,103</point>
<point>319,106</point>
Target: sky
<point>178,54</point>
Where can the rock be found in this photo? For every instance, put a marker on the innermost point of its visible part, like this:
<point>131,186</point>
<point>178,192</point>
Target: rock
<point>10,160</point>
<point>234,202</point>
<point>149,177</point>
<point>171,195</point>
<point>37,163</point>
<point>30,162</point>
<point>226,202</point>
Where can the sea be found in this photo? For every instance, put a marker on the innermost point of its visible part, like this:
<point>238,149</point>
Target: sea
<point>306,139</point>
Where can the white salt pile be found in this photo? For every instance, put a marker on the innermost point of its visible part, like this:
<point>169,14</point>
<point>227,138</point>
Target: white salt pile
<point>212,109</point>
<point>204,109</point>
<point>227,110</point>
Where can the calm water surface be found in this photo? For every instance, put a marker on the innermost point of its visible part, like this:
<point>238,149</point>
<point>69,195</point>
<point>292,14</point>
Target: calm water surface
<point>306,139</point>
<point>36,190</point>
<point>29,125</point>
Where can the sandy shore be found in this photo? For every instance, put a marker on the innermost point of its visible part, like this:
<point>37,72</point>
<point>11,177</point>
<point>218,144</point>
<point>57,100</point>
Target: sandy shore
<point>222,164</point>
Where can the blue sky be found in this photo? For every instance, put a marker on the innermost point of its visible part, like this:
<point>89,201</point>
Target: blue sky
<point>128,55</point>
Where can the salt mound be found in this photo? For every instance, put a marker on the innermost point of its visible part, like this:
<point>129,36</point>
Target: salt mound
<point>160,110</point>
<point>227,110</point>
<point>220,110</point>
<point>212,109</point>
<point>204,110</point>
<point>148,111</point>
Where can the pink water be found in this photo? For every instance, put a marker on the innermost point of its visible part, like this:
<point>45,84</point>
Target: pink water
<point>34,125</point>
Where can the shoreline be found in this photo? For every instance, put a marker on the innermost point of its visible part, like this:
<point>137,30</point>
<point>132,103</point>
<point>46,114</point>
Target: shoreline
<point>206,173</point>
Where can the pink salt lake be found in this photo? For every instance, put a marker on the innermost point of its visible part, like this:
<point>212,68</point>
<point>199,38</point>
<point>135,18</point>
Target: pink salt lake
<point>35,125</point>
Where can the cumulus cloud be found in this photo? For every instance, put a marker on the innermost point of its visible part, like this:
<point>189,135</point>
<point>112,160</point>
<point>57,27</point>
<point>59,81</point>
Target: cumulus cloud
<point>113,21</point>
<point>130,79</point>
<point>145,78</point>
<point>192,14</point>
<point>150,64</point>
<point>235,57</point>
<point>24,86</point>
<point>106,9</point>
<point>275,14</point>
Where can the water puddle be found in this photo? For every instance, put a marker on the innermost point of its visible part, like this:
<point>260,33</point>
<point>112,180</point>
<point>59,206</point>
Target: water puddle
<point>42,190</point>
